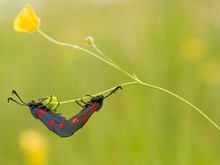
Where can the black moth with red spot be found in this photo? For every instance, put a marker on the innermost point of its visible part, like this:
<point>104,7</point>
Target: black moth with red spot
<point>57,123</point>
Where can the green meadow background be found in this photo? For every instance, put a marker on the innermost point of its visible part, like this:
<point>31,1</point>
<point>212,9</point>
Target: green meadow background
<point>171,44</point>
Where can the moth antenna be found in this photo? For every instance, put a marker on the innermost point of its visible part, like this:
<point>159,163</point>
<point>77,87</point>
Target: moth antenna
<point>23,104</point>
<point>14,92</point>
<point>113,91</point>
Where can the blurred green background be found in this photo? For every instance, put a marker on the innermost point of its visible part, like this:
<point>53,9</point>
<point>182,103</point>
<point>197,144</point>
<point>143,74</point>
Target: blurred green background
<point>171,44</point>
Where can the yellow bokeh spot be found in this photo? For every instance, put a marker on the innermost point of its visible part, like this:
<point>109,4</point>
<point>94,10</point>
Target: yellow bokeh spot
<point>194,49</point>
<point>34,146</point>
<point>27,20</point>
<point>209,72</point>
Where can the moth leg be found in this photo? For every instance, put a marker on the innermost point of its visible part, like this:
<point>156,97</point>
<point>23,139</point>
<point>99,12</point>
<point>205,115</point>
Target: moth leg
<point>83,101</point>
<point>42,99</point>
<point>57,106</point>
<point>87,103</point>
<point>46,104</point>
<point>90,96</point>
<point>77,102</point>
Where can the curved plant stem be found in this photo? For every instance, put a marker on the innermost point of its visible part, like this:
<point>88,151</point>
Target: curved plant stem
<point>157,88</point>
<point>101,93</point>
<point>107,60</point>
<point>116,65</point>
<point>136,81</point>
<point>74,46</point>
<point>185,101</point>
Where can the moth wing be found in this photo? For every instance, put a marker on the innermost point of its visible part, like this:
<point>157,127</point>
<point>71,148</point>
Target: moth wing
<point>54,122</point>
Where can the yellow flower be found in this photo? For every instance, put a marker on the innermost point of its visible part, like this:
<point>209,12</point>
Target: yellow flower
<point>27,20</point>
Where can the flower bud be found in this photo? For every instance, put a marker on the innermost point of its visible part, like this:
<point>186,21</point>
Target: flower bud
<point>89,40</point>
<point>51,103</point>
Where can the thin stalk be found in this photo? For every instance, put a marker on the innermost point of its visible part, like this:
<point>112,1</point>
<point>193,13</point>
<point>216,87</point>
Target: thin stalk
<point>107,60</point>
<point>74,46</point>
<point>101,93</point>
<point>185,101</point>
<point>153,87</point>
<point>117,66</point>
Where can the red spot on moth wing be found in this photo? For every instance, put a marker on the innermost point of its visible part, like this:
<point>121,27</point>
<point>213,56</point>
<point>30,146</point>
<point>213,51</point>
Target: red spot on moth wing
<point>92,107</point>
<point>84,116</point>
<point>75,120</point>
<point>41,112</point>
<point>51,123</point>
<point>61,125</point>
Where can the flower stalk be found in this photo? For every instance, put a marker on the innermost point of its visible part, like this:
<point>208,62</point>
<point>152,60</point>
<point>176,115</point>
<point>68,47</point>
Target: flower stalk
<point>27,21</point>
